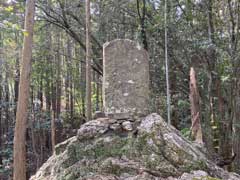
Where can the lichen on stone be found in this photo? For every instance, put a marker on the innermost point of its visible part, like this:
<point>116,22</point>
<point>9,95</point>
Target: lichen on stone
<point>151,150</point>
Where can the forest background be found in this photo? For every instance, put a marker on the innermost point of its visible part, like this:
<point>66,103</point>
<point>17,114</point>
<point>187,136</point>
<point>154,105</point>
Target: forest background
<point>203,34</point>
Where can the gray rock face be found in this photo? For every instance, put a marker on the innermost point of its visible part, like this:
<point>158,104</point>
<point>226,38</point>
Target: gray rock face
<point>150,150</point>
<point>125,77</point>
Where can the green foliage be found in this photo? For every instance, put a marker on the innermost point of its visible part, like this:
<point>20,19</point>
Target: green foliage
<point>188,40</point>
<point>7,155</point>
<point>186,132</point>
<point>183,104</point>
<point>9,17</point>
<point>72,122</point>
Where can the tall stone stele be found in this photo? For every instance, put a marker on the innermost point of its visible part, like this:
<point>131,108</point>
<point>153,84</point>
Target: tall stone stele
<point>125,78</point>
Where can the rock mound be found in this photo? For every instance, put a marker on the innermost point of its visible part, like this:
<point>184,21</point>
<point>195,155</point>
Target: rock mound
<point>141,149</point>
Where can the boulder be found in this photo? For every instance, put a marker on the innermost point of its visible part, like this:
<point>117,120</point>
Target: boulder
<point>149,150</point>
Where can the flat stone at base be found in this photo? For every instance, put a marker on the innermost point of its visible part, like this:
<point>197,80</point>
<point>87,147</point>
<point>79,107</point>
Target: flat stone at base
<point>119,116</point>
<point>99,114</point>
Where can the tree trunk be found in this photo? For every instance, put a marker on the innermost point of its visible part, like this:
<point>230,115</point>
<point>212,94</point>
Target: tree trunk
<point>88,63</point>
<point>34,140</point>
<point>48,93</point>
<point>210,118</point>
<point>173,91</point>
<point>1,117</point>
<point>71,92</point>
<point>7,101</point>
<point>195,108</point>
<point>19,158</point>
<point>53,138</point>
<point>71,99</point>
<point>59,83</point>
<point>49,59</point>
<point>83,87</point>
<point>40,92</point>
<point>1,100</point>
<point>142,17</point>
<point>210,22</point>
<point>97,92</point>
<point>67,81</point>
<point>16,78</point>
<point>68,74</point>
<point>236,128</point>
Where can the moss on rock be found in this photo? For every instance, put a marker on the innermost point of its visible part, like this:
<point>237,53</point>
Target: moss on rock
<point>151,150</point>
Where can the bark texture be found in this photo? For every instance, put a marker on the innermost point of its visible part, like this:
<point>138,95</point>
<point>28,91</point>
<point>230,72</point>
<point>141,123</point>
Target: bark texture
<point>24,88</point>
<point>195,108</point>
<point>88,63</point>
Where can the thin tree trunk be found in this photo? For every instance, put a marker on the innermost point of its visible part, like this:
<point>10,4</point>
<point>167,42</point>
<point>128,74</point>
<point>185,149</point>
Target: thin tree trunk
<point>142,17</point>
<point>236,129</point>
<point>0,115</point>
<point>53,85</point>
<point>167,62</point>
<point>225,125</point>
<point>16,78</point>
<point>210,118</point>
<point>53,138</point>
<point>48,94</point>
<point>59,83</point>
<point>210,22</point>
<point>53,97</point>
<point>97,92</point>
<point>49,59</point>
<point>173,88</point>
<point>7,101</point>
<point>67,79</point>
<point>195,108</point>
<point>34,140</point>
<point>19,158</point>
<point>40,92</point>
<point>83,87</point>
<point>88,63</point>
<point>71,98</point>
<point>1,147</point>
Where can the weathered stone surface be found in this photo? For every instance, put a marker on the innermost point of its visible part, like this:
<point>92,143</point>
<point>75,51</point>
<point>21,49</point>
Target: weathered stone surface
<point>116,126</point>
<point>151,151</point>
<point>94,128</point>
<point>196,174</point>
<point>99,114</point>
<point>127,126</point>
<point>119,116</point>
<point>125,77</point>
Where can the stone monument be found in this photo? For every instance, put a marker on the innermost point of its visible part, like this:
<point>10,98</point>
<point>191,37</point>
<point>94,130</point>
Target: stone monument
<point>125,78</point>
